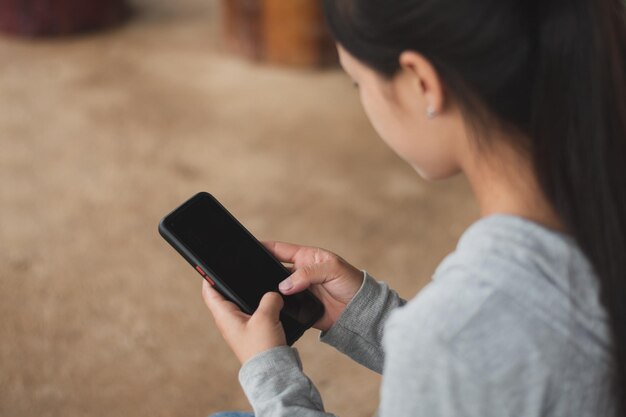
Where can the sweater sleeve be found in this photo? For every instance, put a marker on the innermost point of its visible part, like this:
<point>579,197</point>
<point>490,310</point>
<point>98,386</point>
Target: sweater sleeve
<point>359,331</point>
<point>274,381</point>
<point>275,385</point>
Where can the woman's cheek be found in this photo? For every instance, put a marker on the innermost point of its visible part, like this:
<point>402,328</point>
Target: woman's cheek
<point>383,121</point>
<point>419,145</point>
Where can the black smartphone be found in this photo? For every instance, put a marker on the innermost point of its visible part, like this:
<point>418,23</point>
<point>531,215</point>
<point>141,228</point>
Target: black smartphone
<point>234,262</point>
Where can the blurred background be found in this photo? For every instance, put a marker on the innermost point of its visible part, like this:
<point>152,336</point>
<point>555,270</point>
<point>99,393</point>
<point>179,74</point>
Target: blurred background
<point>112,114</point>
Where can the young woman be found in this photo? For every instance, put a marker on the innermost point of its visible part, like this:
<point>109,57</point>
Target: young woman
<point>528,316</point>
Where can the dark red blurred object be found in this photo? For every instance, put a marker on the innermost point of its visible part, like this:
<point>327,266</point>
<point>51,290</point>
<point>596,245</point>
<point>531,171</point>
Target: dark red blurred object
<point>59,17</point>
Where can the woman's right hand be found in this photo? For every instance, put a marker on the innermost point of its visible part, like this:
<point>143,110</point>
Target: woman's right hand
<point>328,276</point>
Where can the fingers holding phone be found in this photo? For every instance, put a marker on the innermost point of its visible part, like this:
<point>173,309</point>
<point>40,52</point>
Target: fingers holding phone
<point>247,335</point>
<point>328,276</point>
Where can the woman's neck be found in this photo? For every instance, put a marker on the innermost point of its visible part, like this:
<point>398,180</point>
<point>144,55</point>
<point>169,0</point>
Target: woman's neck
<point>504,182</point>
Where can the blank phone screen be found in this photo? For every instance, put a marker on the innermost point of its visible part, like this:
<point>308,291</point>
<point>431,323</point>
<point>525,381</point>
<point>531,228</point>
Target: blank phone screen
<point>234,256</point>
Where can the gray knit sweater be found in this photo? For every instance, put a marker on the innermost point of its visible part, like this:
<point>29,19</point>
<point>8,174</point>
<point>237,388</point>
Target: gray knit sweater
<point>511,325</point>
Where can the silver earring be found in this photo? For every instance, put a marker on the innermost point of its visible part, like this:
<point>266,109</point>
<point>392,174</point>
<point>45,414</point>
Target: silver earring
<point>430,112</point>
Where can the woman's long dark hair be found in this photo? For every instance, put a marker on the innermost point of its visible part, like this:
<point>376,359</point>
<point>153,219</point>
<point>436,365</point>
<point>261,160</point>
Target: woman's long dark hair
<point>554,70</point>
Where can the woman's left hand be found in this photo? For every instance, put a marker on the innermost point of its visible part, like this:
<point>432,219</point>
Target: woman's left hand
<point>247,335</point>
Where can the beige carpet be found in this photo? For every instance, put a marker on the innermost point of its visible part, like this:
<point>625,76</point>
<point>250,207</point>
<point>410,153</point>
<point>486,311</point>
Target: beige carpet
<point>101,135</point>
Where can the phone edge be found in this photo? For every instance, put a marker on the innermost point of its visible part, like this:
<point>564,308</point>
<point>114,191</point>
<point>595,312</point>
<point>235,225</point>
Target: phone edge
<point>194,261</point>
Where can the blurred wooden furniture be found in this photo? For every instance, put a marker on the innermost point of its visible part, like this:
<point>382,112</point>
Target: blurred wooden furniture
<point>58,17</point>
<point>287,32</point>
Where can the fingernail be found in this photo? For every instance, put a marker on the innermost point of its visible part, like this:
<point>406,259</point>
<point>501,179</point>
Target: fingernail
<point>286,285</point>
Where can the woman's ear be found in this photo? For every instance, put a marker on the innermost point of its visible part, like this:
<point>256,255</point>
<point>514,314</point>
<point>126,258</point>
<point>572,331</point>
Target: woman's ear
<point>427,79</point>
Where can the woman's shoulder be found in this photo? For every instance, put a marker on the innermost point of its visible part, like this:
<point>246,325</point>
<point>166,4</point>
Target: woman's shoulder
<point>513,307</point>
<point>510,288</point>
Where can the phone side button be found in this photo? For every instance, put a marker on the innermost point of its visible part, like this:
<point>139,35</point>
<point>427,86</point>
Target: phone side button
<point>205,275</point>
